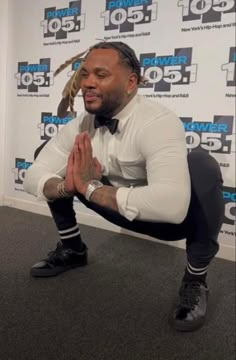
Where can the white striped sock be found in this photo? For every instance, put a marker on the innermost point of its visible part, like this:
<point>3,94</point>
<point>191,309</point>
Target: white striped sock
<point>196,271</point>
<point>65,231</point>
<point>69,233</point>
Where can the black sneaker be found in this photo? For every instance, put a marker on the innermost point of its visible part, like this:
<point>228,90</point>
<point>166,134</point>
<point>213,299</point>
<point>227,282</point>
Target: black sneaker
<point>59,260</point>
<point>190,313</point>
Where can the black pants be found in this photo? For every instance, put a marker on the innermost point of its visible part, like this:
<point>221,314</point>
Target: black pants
<point>201,226</point>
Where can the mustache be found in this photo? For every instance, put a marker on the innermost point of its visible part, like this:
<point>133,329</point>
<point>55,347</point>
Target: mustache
<point>91,92</point>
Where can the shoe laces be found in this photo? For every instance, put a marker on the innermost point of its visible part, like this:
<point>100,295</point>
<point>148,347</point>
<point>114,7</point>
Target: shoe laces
<point>55,254</point>
<point>189,294</point>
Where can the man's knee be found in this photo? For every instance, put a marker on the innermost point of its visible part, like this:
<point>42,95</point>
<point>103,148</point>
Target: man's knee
<point>204,167</point>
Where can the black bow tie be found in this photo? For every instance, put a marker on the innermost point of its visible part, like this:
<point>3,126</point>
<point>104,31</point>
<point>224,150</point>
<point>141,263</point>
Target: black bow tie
<point>111,124</point>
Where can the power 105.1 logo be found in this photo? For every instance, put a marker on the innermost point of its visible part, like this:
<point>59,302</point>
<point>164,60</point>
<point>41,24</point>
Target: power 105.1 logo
<point>19,171</point>
<point>162,71</point>
<point>126,14</point>
<point>230,68</point>
<point>206,10</point>
<point>34,76</point>
<point>58,23</point>
<point>229,195</point>
<point>214,137</point>
<point>74,67</point>
<point>50,125</point>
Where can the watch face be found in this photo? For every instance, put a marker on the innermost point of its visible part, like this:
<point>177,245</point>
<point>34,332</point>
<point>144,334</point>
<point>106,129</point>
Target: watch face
<point>93,185</point>
<point>96,183</point>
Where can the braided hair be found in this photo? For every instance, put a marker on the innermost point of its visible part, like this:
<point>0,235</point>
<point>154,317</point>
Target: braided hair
<point>127,57</point>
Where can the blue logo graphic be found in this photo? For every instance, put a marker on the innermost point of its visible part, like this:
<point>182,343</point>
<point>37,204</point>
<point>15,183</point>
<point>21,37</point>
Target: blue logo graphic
<point>230,68</point>
<point>34,76</point>
<point>207,11</point>
<point>58,23</point>
<point>215,137</point>
<point>229,195</point>
<point>19,171</point>
<point>162,71</point>
<point>74,67</point>
<point>50,125</point>
<point>125,15</point>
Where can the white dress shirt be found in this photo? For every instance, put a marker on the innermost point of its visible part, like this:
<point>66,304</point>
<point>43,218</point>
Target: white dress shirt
<point>146,159</point>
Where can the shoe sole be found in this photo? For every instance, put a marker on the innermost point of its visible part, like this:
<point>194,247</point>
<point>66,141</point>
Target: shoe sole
<point>186,326</point>
<point>55,271</point>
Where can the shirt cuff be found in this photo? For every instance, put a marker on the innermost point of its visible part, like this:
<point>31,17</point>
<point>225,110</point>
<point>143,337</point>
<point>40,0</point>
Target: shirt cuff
<point>41,184</point>
<point>122,196</point>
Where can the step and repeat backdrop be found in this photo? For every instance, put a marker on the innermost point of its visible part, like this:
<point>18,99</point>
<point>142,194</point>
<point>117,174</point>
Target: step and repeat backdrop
<point>186,50</point>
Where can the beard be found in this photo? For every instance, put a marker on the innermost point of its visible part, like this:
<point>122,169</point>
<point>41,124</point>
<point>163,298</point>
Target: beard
<point>109,106</point>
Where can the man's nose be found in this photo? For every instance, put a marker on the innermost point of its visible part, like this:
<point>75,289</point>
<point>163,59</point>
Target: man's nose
<point>89,81</point>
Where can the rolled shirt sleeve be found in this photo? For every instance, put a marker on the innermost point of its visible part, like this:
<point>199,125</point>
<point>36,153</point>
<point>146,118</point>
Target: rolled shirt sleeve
<point>52,160</point>
<point>125,209</point>
<point>166,197</point>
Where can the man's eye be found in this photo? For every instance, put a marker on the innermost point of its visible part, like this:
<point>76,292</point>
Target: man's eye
<point>101,75</point>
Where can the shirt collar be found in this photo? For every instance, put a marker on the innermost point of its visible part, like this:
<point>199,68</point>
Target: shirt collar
<point>124,115</point>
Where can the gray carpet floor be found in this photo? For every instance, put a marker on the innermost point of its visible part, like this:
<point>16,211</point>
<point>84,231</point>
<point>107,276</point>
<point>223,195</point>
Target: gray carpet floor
<point>114,309</point>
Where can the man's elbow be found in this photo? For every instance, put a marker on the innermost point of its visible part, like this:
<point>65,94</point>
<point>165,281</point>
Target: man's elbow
<point>178,216</point>
<point>178,209</point>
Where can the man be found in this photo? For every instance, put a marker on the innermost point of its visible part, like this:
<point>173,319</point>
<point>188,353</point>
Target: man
<point>125,157</point>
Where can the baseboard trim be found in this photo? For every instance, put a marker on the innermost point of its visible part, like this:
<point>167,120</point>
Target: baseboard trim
<point>226,252</point>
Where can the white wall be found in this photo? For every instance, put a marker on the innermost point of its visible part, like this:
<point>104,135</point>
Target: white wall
<point>3,88</point>
<point>204,95</point>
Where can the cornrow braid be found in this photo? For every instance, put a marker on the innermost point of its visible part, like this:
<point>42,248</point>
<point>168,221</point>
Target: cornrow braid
<point>127,56</point>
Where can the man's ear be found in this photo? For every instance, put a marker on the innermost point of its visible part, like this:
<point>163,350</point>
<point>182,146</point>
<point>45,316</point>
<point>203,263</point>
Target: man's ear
<point>132,83</point>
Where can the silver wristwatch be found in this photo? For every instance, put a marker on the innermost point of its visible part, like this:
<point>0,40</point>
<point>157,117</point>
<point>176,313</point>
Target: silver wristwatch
<point>93,185</point>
